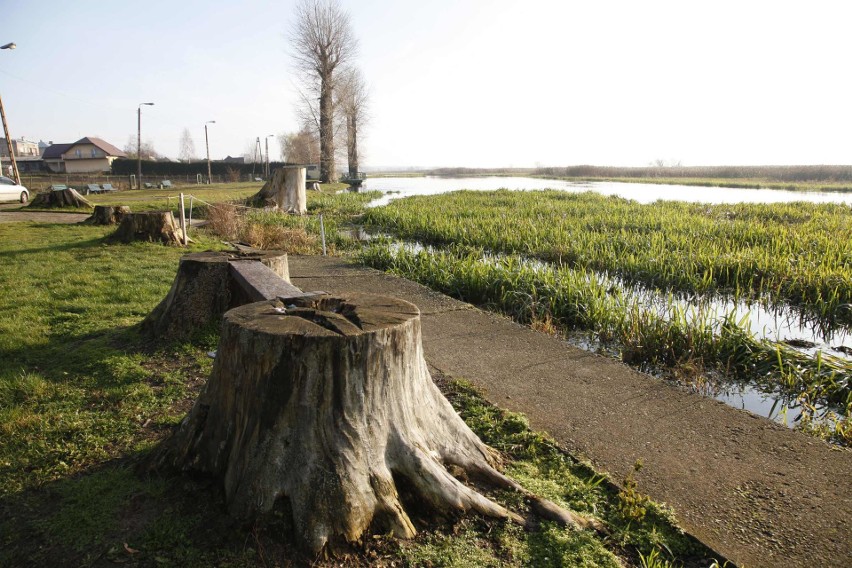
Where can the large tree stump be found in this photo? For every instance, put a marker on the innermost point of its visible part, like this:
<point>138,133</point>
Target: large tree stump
<point>60,198</point>
<point>293,194</point>
<point>203,290</point>
<point>323,409</point>
<point>284,191</point>
<point>108,214</point>
<point>150,226</point>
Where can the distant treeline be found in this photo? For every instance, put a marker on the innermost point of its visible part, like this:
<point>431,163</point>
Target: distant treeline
<point>161,169</point>
<point>769,173</point>
<point>476,171</point>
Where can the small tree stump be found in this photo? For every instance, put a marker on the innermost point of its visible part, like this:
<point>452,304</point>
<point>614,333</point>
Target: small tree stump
<point>325,407</point>
<point>151,226</point>
<point>108,215</point>
<point>60,198</point>
<point>203,290</point>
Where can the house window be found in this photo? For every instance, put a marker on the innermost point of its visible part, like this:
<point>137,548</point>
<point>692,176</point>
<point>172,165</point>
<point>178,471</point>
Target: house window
<point>94,153</point>
<point>78,153</point>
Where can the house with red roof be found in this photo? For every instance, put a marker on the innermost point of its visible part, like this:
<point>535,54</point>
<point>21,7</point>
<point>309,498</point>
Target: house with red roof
<point>86,155</point>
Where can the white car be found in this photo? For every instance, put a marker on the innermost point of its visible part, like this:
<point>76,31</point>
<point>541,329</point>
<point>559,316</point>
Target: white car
<point>11,191</point>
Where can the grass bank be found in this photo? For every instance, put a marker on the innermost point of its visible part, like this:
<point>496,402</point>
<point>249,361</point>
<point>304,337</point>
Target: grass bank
<point>739,183</point>
<point>82,398</point>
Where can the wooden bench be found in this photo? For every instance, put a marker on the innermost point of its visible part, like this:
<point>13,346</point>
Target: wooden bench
<point>107,187</point>
<point>92,188</point>
<point>262,283</point>
<point>166,184</point>
<point>148,185</point>
<point>58,187</point>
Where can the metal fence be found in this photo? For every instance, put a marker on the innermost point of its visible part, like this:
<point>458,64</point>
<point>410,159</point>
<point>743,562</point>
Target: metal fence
<point>38,182</point>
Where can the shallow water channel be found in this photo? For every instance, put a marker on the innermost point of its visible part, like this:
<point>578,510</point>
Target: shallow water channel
<point>775,323</point>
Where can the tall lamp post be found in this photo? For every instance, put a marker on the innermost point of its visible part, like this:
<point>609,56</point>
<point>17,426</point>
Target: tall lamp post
<point>139,144</point>
<point>207,144</point>
<point>267,153</point>
<point>17,176</point>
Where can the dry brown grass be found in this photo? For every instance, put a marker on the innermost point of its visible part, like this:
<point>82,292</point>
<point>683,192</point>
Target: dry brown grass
<point>292,240</point>
<point>224,220</point>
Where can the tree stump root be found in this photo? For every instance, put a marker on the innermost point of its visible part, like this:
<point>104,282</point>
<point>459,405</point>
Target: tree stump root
<point>329,404</point>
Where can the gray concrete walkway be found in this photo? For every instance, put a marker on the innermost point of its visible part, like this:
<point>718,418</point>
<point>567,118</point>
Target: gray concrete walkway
<point>758,493</point>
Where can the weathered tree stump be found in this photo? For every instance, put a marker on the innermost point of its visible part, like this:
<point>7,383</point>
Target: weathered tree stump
<point>151,226</point>
<point>60,198</point>
<point>293,195</point>
<point>108,214</point>
<point>284,191</point>
<point>204,289</point>
<point>323,409</point>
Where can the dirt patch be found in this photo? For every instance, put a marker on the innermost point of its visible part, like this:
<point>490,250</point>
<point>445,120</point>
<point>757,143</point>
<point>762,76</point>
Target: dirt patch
<point>13,213</point>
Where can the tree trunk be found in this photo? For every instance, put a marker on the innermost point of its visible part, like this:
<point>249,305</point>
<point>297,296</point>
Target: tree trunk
<point>328,173</point>
<point>352,144</point>
<point>60,198</point>
<point>108,215</point>
<point>151,226</point>
<point>325,409</point>
<point>203,290</point>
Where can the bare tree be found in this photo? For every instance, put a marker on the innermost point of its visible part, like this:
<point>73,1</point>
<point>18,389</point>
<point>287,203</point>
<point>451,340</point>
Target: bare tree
<point>352,103</point>
<point>148,151</point>
<point>323,41</point>
<point>187,146</point>
<point>300,147</point>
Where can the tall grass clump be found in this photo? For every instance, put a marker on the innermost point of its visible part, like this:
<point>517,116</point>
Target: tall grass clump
<point>788,253</point>
<point>581,299</point>
<point>268,229</point>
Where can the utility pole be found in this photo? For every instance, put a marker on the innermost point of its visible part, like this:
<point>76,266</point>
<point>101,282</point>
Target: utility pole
<point>267,154</point>
<point>207,144</point>
<point>9,144</point>
<point>10,45</point>
<point>258,153</point>
<point>139,144</point>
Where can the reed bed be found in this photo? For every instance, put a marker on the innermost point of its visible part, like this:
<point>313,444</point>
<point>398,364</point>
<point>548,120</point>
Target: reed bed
<point>580,299</point>
<point>788,253</point>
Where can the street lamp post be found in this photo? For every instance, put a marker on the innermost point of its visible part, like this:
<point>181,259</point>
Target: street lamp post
<point>139,144</point>
<point>267,154</point>
<point>207,144</point>
<point>17,176</point>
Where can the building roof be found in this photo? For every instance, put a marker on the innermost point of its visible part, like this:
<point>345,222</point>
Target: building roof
<point>108,148</point>
<point>55,151</point>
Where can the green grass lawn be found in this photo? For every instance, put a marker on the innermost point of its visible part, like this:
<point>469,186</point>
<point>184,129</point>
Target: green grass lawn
<point>83,398</point>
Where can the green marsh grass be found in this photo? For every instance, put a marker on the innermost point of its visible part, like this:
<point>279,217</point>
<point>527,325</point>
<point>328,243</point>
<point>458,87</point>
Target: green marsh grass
<point>795,253</point>
<point>580,299</point>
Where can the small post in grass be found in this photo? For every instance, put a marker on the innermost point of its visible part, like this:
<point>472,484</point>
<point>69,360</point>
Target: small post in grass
<point>322,234</point>
<point>183,220</point>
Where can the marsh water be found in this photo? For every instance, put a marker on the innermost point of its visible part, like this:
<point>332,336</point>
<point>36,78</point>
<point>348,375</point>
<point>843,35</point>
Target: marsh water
<point>774,323</point>
<point>641,192</point>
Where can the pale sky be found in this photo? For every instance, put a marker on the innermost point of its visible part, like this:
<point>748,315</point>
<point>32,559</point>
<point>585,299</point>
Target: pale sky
<point>476,83</point>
